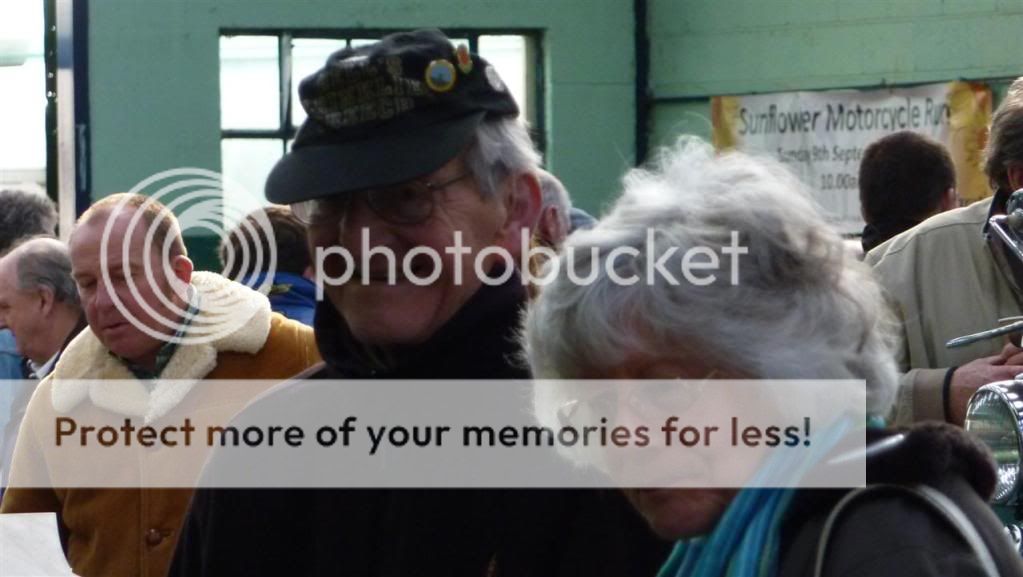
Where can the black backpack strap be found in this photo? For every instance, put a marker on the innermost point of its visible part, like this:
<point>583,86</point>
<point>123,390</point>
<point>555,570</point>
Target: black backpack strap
<point>930,498</point>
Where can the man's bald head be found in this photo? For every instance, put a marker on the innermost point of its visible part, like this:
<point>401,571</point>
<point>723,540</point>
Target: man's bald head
<point>128,260</point>
<point>153,217</point>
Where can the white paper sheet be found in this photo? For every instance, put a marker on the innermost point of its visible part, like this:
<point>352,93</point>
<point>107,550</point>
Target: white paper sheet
<point>30,546</point>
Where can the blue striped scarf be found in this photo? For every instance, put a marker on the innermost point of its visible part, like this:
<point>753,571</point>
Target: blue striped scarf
<point>745,542</point>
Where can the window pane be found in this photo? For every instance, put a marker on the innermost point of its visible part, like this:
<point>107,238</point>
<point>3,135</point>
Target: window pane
<point>249,83</point>
<point>246,164</point>
<point>23,93</point>
<point>508,55</point>
<point>23,115</point>
<point>357,42</point>
<point>307,56</point>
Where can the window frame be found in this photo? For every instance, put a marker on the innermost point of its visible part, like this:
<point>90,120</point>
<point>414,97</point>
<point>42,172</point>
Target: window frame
<point>286,131</point>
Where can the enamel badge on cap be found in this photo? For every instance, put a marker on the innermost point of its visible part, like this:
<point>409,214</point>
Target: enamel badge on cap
<point>495,81</point>
<point>464,58</point>
<point>440,76</point>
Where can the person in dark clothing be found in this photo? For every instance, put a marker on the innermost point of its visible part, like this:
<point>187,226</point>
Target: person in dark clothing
<point>797,307</point>
<point>905,178</point>
<point>896,525</point>
<point>409,163</point>
<point>272,237</point>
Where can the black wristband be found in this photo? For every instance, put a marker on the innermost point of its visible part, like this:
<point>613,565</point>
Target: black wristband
<point>946,387</point>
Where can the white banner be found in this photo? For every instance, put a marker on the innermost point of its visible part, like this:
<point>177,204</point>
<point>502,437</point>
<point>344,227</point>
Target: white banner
<point>821,136</point>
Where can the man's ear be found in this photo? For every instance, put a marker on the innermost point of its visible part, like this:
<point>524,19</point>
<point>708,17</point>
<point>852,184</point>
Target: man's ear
<point>522,210</point>
<point>47,301</point>
<point>181,268</point>
<point>950,200</point>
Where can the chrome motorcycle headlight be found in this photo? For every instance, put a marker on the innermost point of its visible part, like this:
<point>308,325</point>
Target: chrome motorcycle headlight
<point>995,416</point>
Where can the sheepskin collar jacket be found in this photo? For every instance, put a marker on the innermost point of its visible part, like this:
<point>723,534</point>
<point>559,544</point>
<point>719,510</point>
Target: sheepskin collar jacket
<point>87,369</point>
<point>894,532</point>
<point>131,531</point>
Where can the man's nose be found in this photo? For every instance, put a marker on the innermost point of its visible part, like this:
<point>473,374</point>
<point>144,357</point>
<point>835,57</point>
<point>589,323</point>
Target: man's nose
<point>103,297</point>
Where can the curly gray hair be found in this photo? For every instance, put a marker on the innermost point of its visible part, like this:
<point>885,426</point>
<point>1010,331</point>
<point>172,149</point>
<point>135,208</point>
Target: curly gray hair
<point>802,307</point>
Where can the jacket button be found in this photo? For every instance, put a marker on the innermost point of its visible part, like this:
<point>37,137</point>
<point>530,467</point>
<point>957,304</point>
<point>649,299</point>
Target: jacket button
<point>154,537</point>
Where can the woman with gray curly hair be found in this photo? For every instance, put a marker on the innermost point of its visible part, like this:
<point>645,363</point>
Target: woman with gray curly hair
<point>794,304</point>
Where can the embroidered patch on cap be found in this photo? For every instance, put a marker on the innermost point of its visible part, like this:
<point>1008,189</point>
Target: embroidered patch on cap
<point>357,90</point>
<point>440,76</point>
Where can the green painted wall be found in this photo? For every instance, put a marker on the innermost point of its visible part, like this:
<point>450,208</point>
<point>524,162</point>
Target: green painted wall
<point>703,48</point>
<point>154,65</point>
<point>153,78</point>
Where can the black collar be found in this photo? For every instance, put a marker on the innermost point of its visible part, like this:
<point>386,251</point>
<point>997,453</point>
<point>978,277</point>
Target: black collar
<point>478,342</point>
<point>997,205</point>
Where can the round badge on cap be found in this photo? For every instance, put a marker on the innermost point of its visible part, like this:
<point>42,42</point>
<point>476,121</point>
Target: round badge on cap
<point>464,58</point>
<point>440,76</point>
<point>495,81</point>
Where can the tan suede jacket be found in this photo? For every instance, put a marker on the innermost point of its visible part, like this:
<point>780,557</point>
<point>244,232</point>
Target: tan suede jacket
<point>113,532</point>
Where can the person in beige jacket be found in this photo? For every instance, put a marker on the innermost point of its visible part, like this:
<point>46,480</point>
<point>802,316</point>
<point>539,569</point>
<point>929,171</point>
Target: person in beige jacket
<point>120,511</point>
<point>942,282</point>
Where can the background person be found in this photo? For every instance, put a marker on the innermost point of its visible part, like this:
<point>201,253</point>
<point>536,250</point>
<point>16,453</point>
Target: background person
<point>826,320</point>
<point>579,219</point>
<point>116,369</point>
<point>291,290</point>
<point>905,178</point>
<point>23,215</point>
<point>39,305</point>
<point>942,282</point>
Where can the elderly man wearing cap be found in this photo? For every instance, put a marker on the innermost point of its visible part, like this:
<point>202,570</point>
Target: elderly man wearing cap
<point>410,143</point>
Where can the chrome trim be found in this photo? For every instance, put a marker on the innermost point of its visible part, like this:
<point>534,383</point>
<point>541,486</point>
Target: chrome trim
<point>1005,390</point>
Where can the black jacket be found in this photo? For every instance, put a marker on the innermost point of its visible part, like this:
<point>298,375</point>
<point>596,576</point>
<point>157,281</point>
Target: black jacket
<point>384,532</point>
<point>894,532</point>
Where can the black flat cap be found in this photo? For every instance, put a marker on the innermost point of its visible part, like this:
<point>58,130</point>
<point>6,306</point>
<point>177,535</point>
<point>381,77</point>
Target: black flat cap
<point>386,113</point>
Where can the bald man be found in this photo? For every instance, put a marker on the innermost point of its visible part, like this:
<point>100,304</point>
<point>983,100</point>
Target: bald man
<point>141,360</point>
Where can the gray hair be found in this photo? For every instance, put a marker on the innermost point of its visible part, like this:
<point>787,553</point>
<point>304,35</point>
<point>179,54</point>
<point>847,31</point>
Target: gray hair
<point>1005,140</point>
<point>44,262</point>
<point>802,306</point>
<point>500,148</point>
<point>24,214</point>
<point>554,194</point>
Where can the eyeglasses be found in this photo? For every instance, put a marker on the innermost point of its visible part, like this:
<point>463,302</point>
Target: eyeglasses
<point>407,203</point>
<point>644,400</point>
